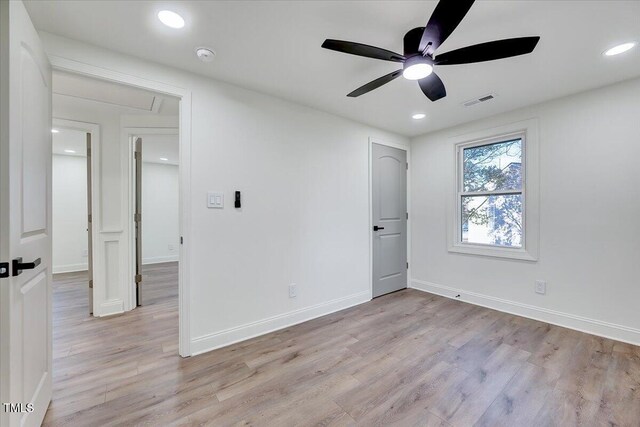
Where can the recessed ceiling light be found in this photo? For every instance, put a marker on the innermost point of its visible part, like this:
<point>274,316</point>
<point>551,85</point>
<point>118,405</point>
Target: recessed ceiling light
<point>164,159</point>
<point>205,54</point>
<point>54,131</point>
<point>70,151</point>
<point>171,19</point>
<point>418,116</point>
<point>621,48</point>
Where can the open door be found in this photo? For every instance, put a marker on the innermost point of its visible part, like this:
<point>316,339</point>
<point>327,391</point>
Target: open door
<point>25,220</point>
<point>89,225</point>
<point>138,219</point>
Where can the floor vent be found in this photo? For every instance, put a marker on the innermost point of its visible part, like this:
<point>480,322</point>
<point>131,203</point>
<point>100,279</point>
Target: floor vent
<point>484,98</point>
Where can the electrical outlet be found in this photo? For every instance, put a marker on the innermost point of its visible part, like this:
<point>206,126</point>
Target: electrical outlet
<point>293,290</point>
<point>541,287</point>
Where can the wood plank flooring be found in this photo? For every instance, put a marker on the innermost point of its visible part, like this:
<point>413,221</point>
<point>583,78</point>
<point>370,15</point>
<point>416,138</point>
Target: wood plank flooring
<point>405,359</point>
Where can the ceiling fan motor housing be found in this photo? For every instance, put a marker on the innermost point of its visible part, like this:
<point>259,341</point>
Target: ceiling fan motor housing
<point>412,42</point>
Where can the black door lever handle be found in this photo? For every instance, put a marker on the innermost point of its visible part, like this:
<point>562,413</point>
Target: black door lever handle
<point>18,265</point>
<point>376,228</point>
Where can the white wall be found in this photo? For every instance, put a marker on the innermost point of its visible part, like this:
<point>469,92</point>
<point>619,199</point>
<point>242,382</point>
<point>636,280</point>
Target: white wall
<point>304,178</point>
<point>69,198</point>
<point>160,231</point>
<point>589,209</point>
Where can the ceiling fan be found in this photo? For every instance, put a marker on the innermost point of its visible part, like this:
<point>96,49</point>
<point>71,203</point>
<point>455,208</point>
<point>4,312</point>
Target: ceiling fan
<point>420,45</point>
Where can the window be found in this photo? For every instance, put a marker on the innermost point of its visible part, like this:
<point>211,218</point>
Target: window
<point>495,192</point>
<point>490,193</point>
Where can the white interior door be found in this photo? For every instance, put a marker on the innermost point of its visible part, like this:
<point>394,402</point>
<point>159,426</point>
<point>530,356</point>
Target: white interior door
<point>25,220</point>
<point>137,218</point>
<point>389,203</point>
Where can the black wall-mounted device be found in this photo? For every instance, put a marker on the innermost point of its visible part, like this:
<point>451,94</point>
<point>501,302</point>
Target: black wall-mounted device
<point>237,202</point>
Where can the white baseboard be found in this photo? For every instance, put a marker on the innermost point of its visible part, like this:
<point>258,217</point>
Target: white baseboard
<point>250,330</point>
<point>111,307</point>
<point>160,259</point>
<point>567,320</point>
<point>69,268</point>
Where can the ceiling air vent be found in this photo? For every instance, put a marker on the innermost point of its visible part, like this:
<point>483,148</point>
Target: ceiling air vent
<point>484,98</point>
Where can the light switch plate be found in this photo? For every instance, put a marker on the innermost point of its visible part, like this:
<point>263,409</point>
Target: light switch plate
<point>541,287</point>
<point>215,200</point>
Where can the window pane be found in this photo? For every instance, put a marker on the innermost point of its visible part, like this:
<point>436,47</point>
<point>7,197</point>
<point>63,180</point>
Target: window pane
<point>492,220</point>
<point>493,167</point>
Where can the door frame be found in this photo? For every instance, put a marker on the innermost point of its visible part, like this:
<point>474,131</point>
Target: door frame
<point>407,148</point>
<point>94,130</point>
<point>128,134</point>
<point>184,95</point>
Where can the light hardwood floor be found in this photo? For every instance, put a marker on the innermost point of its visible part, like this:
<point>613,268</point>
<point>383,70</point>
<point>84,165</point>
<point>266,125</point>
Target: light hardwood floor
<point>408,358</point>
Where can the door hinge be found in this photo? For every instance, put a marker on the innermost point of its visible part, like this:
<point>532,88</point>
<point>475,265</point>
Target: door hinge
<point>137,217</point>
<point>138,278</point>
<point>407,165</point>
<point>4,269</point>
<point>90,284</point>
<point>407,265</point>
<point>181,240</point>
<point>89,218</point>
<point>407,215</point>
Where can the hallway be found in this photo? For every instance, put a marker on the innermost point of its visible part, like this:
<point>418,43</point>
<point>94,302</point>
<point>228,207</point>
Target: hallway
<point>91,355</point>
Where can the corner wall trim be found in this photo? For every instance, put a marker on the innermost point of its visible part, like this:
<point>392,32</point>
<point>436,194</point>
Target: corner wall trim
<point>579,323</point>
<point>247,331</point>
<point>109,308</point>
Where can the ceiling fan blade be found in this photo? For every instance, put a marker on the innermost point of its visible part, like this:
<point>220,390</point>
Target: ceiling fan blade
<point>444,19</point>
<point>489,51</point>
<point>362,50</point>
<point>433,87</point>
<point>375,84</point>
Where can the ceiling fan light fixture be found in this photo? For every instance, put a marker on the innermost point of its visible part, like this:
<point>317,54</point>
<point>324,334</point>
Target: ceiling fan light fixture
<point>417,71</point>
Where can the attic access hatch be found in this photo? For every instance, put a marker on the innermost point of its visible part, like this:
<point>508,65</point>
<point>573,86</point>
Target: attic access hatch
<point>104,91</point>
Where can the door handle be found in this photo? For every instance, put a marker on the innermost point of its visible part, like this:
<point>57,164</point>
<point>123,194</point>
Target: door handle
<point>18,265</point>
<point>376,228</point>
<point>4,270</point>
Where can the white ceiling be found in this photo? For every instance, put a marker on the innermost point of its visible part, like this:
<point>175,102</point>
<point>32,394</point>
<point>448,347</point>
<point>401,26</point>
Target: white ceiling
<point>274,47</point>
<point>155,147</point>
<point>132,100</point>
<point>69,139</point>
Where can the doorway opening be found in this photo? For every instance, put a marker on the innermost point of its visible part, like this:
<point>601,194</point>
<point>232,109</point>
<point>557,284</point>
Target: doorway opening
<point>156,240</point>
<point>94,120</point>
<point>72,229</point>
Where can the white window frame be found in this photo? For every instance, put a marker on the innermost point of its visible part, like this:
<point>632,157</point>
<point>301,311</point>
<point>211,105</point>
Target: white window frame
<point>527,132</point>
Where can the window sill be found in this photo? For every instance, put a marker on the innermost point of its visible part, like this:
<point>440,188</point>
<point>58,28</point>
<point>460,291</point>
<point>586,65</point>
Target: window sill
<point>492,251</point>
